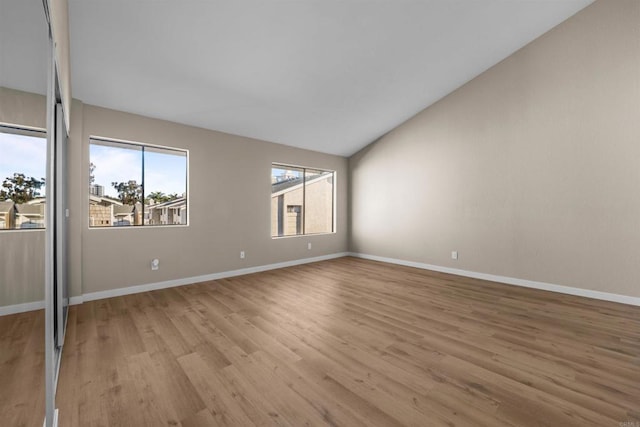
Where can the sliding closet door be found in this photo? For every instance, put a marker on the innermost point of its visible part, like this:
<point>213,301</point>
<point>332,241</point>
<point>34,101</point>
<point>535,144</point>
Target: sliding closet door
<point>60,230</point>
<point>23,61</point>
<point>56,290</point>
<point>58,115</point>
<point>50,346</point>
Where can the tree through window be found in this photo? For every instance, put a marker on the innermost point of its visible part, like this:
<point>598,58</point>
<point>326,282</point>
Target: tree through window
<point>22,184</point>
<point>133,184</point>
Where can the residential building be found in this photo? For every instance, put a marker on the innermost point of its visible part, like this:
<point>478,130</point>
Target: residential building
<point>124,215</point>
<point>287,202</point>
<point>97,190</point>
<point>172,212</point>
<point>109,212</point>
<point>29,215</point>
<point>7,214</point>
<point>101,211</point>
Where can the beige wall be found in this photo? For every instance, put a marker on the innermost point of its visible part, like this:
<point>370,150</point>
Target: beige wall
<point>21,252</point>
<point>531,170</point>
<point>230,193</point>
<point>22,108</point>
<point>21,267</point>
<point>229,207</point>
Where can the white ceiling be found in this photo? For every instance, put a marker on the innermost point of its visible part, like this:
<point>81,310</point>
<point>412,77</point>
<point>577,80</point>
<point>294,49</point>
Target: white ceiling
<point>23,45</point>
<point>325,75</point>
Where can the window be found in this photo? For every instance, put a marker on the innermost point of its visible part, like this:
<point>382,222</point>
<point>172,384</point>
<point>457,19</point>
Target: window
<point>302,200</point>
<point>23,164</point>
<point>133,184</point>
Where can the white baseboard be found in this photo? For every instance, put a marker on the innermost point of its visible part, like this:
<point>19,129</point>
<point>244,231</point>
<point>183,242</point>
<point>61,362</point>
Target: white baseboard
<point>21,308</point>
<point>196,279</point>
<point>32,306</point>
<point>624,299</point>
<point>76,300</point>
<point>37,305</point>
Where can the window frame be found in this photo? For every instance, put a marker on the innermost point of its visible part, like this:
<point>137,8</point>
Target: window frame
<point>142,226</point>
<point>304,170</point>
<point>33,131</point>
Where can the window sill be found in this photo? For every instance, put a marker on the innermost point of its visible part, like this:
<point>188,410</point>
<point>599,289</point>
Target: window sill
<point>301,235</point>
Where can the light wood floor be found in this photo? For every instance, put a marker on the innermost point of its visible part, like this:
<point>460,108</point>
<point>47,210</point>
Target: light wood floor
<point>22,369</point>
<point>353,343</point>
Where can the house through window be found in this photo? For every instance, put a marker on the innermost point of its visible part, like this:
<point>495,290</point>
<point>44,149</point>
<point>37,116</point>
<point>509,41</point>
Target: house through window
<point>23,163</point>
<point>302,200</point>
<point>132,184</point>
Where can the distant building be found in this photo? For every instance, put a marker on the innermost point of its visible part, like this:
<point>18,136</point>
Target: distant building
<point>101,211</point>
<point>287,175</point>
<point>30,214</point>
<point>173,212</point>
<point>123,215</point>
<point>96,190</point>
<point>287,205</point>
<point>22,215</point>
<point>7,215</point>
<point>109,212</point>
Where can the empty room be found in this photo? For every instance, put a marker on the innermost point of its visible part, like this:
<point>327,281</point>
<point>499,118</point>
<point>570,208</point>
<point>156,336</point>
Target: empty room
<point>320,213</point>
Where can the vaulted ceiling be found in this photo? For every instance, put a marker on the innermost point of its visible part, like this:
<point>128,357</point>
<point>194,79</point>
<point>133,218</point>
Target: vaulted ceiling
<point>325,75</point>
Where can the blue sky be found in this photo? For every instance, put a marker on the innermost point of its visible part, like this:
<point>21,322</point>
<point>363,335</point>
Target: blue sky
<point>277,172</point>
<point>22,154</point>
<point>293,172</point>
<point>163,172</point>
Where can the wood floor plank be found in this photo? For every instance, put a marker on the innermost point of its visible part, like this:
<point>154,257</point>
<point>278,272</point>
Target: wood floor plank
<point>22,369</point>
<point>348,342</point>
<point>220,403</point>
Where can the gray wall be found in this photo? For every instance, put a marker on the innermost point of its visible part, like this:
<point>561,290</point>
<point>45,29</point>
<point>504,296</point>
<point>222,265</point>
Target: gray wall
<point>229,203</point>
<point>21,252</point>
<point>531,170</point>
<point>230,196</point>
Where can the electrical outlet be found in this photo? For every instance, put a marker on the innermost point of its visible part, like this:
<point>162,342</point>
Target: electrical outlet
<point>241,254</point>
<point>309,245</point>
<point>155,264</point>
<point>454,254</point>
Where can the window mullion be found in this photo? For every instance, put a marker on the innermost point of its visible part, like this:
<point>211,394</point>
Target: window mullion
<point>142,185</point>
<point>304,201</point>
<point>170,200</point>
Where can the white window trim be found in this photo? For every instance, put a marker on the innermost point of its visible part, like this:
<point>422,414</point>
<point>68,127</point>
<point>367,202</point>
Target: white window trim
<point>26,131</point>
<point>335,199</point>
<point>141,227</point>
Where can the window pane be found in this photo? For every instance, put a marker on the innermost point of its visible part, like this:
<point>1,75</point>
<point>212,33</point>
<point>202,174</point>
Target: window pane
<point>115,184</point>
<point>301,201</point>
<point>318,206</point>
<point>136,184</point>
<point>22,183</point>
<point>287,208</point>
<point>165,186</point>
